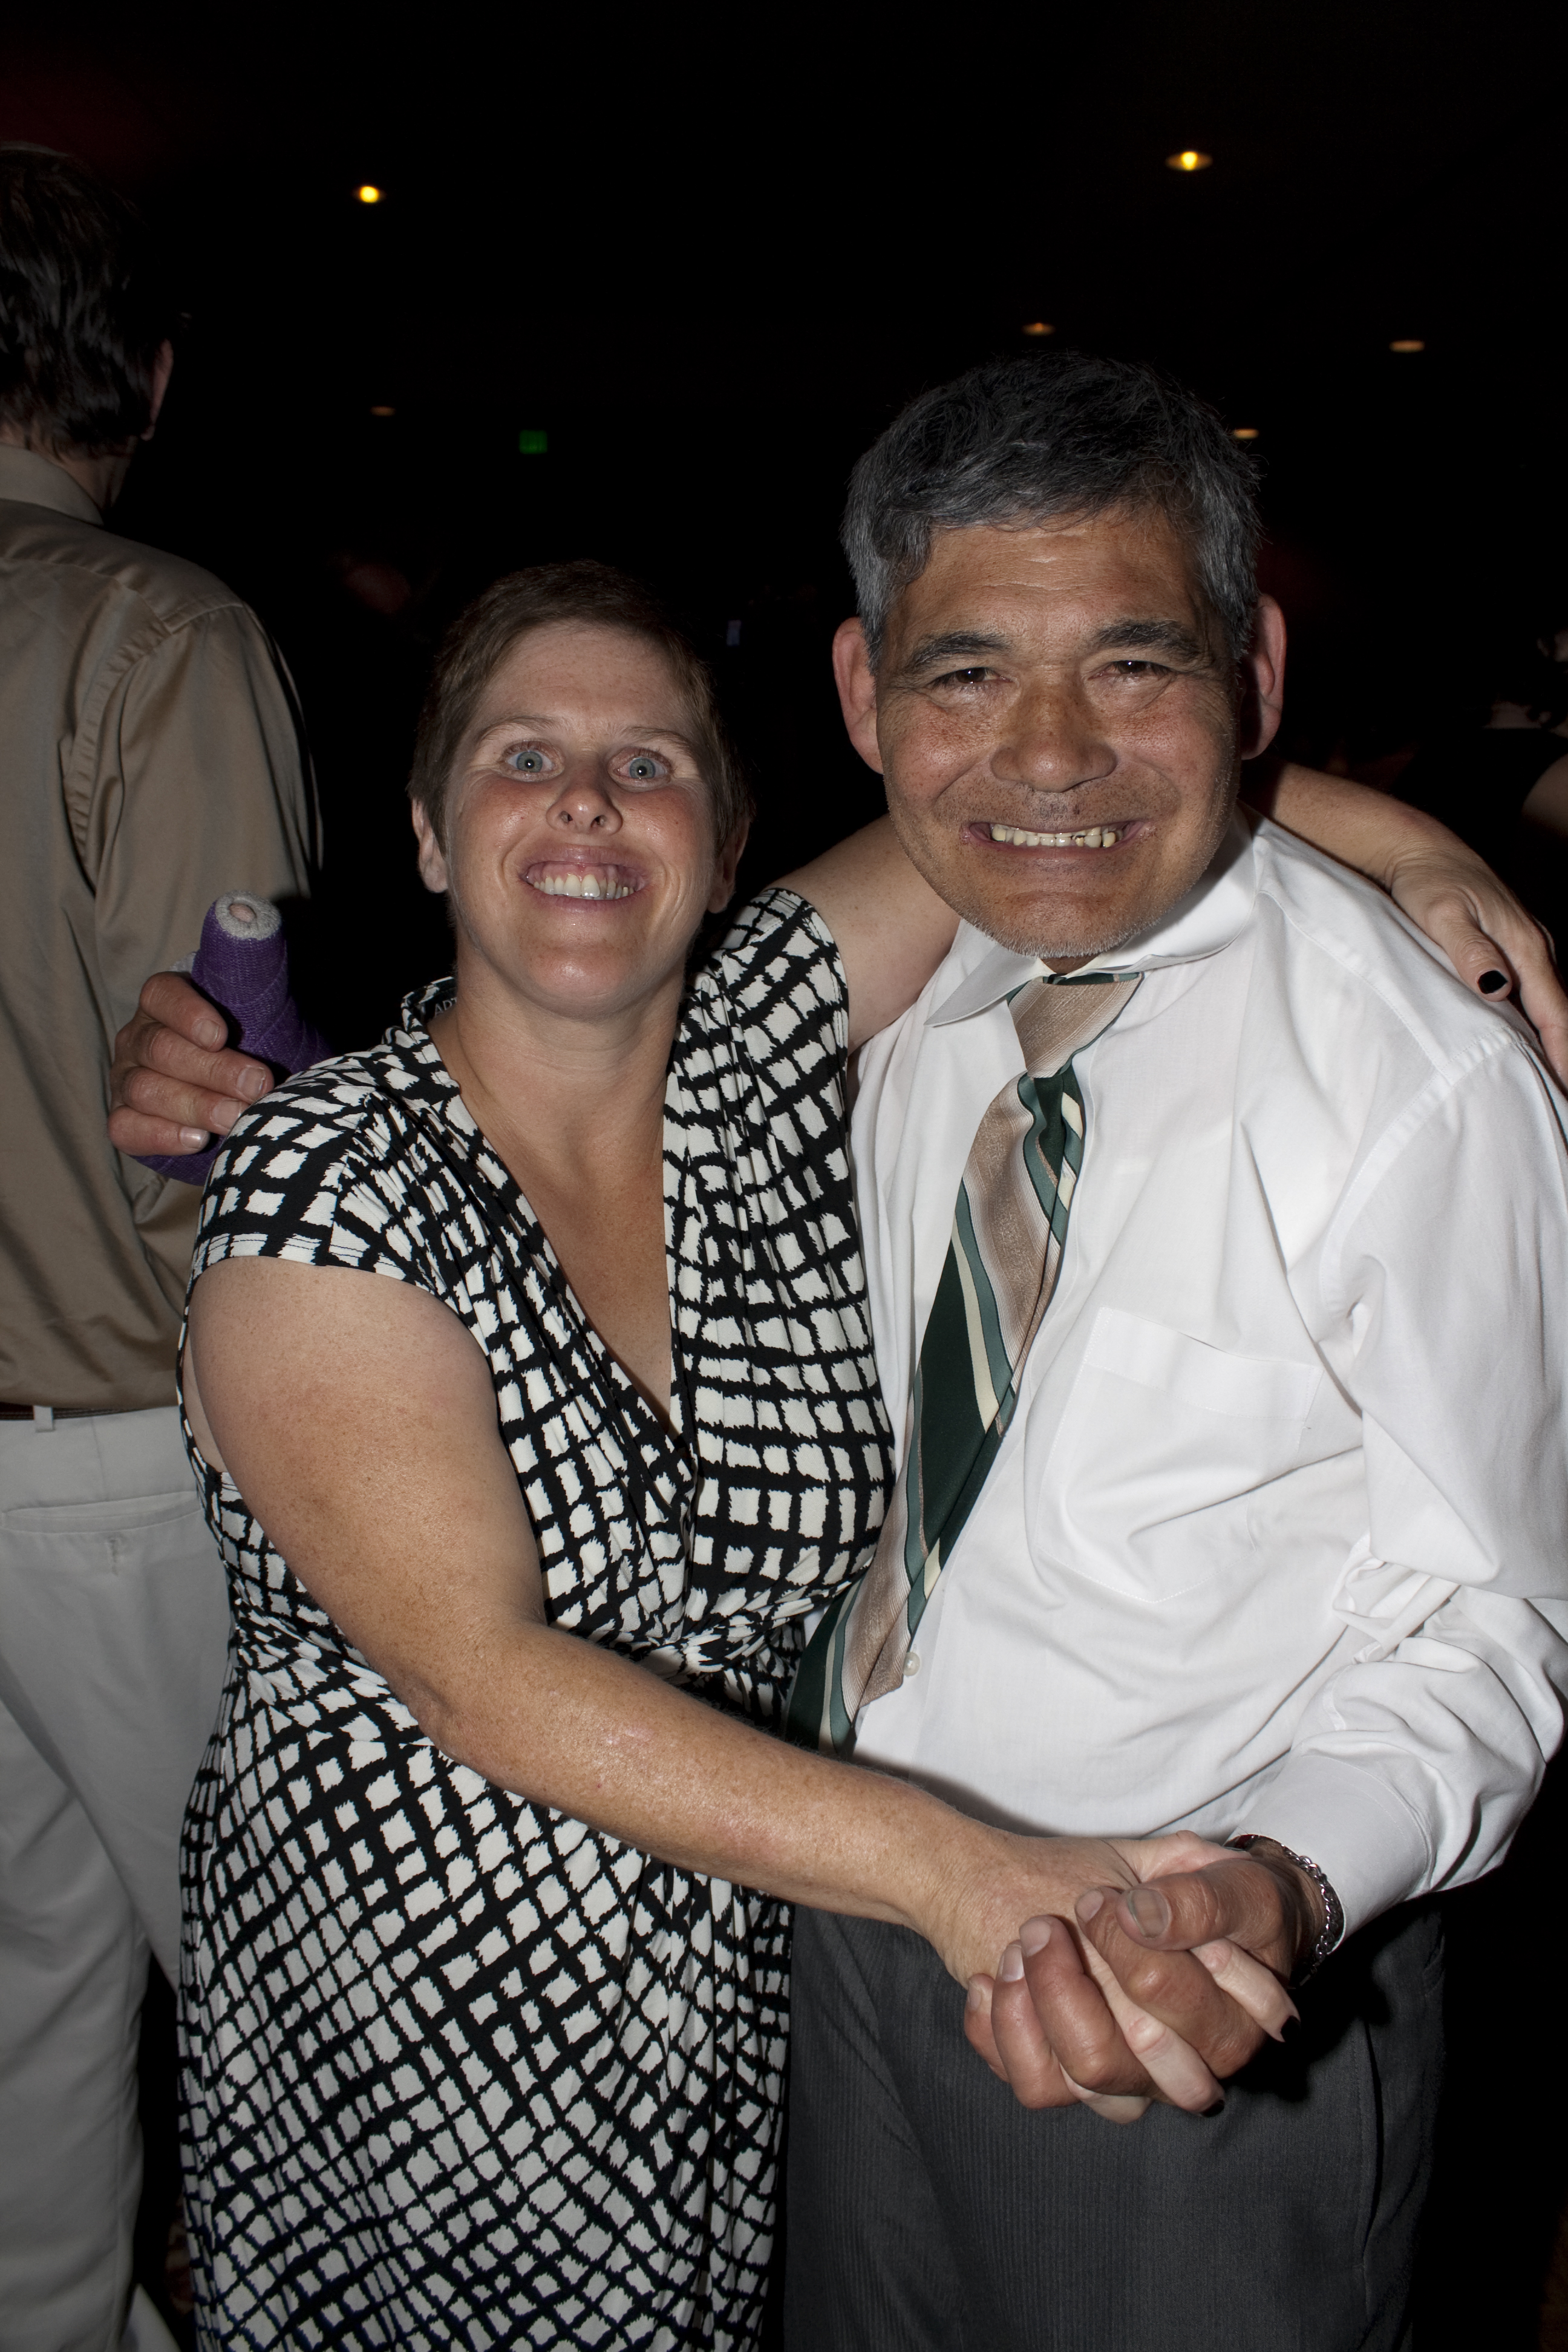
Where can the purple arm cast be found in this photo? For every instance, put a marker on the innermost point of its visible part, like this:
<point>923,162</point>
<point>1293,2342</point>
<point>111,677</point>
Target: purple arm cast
<point>242,967</point>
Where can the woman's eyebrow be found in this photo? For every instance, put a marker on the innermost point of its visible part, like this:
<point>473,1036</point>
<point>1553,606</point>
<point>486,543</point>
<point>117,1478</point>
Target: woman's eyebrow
<point>547,723</point>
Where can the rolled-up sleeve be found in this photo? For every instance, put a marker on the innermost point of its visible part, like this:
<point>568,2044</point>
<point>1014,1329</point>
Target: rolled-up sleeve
<point>1414,1765</point>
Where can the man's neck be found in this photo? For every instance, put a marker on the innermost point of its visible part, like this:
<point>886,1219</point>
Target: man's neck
<point>102,479</point>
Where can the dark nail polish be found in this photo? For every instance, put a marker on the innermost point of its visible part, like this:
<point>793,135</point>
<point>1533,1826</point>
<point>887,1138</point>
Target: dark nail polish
<point>1217,2108</point>
<point>1290,2030</point>
<point>1490,982</point>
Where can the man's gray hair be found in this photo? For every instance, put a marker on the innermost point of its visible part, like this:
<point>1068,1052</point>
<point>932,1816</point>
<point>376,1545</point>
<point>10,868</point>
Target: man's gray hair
<point>1021,441</point>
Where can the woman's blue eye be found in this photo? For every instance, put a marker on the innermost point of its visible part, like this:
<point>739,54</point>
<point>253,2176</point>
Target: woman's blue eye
<point>641,770</point>
<point>528,763</point>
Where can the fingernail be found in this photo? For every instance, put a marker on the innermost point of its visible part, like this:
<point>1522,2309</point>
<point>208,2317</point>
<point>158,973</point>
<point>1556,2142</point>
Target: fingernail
<point>1290,2030</point>
<point>211,1032</point>
<point>1012,1967</point>
<point>1088,1904</point>
<point>1034,1935</point>
<point>1151,1912</point>
<point>1217,2108</point>
<point>975,1996</point>
<point>195,1138</point>
<point>254,1084</point>
<point>1491,982</point>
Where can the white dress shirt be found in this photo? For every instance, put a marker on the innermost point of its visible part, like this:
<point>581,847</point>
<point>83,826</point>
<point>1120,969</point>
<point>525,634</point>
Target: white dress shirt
<point>1277,1539</point>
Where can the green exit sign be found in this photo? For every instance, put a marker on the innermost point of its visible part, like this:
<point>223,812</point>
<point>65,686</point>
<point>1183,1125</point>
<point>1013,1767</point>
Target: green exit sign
<point>532,444</point>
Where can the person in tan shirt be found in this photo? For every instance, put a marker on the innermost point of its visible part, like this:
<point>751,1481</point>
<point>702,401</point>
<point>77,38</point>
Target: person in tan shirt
<point>152,758</point>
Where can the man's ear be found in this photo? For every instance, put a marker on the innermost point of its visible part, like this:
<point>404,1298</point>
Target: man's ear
<point>432,864</point>
<point>163,369</point>
<point>1263,680</point>
<point>857,690</point>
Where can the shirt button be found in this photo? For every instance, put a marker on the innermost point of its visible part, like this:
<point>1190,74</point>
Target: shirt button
<point>912,1665</point>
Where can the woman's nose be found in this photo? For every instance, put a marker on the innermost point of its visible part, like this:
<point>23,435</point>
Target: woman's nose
<point>584,803</point>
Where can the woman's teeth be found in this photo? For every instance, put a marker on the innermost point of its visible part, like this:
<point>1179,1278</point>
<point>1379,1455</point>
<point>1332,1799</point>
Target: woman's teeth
<point>577,884</point>
<point>1097,836</point>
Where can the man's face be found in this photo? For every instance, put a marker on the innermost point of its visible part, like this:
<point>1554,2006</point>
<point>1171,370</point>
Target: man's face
<point>1057,717</point>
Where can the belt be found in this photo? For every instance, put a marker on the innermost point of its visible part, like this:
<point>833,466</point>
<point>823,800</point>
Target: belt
<point>45,1415</point>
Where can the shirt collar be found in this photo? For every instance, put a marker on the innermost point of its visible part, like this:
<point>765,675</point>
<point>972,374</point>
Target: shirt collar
<point>33,482</point>
<point>1211,915</point>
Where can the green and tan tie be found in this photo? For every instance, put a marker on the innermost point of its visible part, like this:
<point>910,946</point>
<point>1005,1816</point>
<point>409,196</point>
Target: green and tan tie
<point>1008,1228</point>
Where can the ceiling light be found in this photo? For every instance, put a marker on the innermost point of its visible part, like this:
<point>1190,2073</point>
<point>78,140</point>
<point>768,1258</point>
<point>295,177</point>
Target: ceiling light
<point>1407,344</point>
<point>368,195</point>
<point>1190,160</point>
<point>1244,432</point>
<point>1038,327</point>
<point>384,412</point>
<point>531,442</point>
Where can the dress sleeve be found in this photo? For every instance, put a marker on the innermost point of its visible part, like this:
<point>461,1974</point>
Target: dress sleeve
<point>780,972</point>
<point>318,1173</point>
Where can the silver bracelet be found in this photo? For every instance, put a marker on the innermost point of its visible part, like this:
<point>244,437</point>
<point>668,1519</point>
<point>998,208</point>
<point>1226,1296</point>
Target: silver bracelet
<point>1333,1926</point>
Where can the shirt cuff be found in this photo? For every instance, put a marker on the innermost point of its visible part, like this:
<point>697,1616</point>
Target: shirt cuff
<point>1364,1839</point>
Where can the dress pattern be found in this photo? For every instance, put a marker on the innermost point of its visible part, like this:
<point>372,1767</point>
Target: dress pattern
<point>459,2070</point>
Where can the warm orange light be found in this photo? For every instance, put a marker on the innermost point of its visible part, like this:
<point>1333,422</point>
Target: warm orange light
<point>384,412</point>
<point>1244,432</point>
<point>1407,344</point>
<point>1038,327</point>
<point>368,195</point>
<point>1190,160</point>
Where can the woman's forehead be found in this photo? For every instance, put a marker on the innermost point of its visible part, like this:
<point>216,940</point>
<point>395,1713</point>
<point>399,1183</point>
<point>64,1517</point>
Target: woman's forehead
<point>583,669</point>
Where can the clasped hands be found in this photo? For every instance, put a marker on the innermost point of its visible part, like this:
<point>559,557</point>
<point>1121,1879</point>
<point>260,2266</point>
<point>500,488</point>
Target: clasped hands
<point>1161,1977</point>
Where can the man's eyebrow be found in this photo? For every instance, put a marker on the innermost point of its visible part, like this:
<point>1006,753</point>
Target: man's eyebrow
<point>955,645</point>
<point>1150,636</point>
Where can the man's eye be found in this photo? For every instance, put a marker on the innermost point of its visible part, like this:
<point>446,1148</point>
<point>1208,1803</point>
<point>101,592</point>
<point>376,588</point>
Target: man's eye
<point>962,677</point>
<point>526,763</point>
<point>642,769</point>
<point>1131,668</point>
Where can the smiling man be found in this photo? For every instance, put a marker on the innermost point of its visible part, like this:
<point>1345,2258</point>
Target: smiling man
<point>1216,1244</point>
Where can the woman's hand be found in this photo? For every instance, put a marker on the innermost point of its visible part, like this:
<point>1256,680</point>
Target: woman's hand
<point>1433,877</point>
<point>1083,2007</point>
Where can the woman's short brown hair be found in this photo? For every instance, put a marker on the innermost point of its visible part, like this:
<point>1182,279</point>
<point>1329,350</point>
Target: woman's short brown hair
<point>482,636</point>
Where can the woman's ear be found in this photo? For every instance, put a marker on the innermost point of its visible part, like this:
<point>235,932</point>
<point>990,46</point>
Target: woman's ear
<point>432,860</point>
<point>857,690</point>
<point>725,869</point>
<point>1263,680</point>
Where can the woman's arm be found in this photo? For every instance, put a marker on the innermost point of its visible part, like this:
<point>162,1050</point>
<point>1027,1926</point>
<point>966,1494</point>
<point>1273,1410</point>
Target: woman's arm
<point>1445,888</point>
<point>357,1416</point>
<point>890,927</point>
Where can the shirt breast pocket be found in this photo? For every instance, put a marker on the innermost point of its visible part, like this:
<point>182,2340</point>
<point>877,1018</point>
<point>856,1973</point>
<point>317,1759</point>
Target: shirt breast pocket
<point>1147,1482</point>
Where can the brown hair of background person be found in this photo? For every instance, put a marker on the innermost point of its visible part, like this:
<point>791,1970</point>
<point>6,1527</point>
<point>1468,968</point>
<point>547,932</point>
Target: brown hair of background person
<point>545,595</point>
<point>152,760</point>
<point>85,309</point>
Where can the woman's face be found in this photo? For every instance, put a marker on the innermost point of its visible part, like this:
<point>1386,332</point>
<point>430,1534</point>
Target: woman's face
<point>580,853</point>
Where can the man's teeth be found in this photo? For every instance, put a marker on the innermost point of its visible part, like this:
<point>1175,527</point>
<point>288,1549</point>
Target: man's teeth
<point>577,885</point>
<point>1097,836</point>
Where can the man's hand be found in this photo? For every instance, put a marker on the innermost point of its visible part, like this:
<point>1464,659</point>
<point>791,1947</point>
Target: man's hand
<point>174,1082</point>
<point>1155,1989</point>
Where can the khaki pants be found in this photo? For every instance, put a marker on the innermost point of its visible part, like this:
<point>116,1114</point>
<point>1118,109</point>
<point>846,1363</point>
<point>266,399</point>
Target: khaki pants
<point>113,1627</point>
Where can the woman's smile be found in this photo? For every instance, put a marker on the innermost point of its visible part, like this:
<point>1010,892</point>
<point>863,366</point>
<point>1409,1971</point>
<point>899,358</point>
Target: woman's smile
<point>583,877</point>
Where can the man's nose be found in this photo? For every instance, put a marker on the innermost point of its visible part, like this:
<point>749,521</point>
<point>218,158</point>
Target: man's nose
<point>584,802</point>
<point>1053,741</point>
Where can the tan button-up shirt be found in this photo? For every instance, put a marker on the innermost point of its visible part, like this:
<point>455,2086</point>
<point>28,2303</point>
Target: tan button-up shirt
<point>150,756</point>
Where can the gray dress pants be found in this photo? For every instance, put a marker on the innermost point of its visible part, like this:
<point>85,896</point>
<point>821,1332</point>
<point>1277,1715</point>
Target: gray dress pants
<point>927,2209</point>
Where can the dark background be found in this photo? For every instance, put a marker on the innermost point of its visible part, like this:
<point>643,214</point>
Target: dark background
<point>709,253</point>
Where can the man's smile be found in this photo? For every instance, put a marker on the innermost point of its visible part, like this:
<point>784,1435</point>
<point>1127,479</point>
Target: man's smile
<point>1017,836</point>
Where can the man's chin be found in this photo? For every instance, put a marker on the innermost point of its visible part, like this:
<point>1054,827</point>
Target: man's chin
<point>1054,934</point>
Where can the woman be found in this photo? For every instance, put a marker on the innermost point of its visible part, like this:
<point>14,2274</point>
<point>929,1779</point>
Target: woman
<point>483,2024</point>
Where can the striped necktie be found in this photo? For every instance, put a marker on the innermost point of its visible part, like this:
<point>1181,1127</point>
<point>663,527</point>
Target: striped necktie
<point>1008,1228</point>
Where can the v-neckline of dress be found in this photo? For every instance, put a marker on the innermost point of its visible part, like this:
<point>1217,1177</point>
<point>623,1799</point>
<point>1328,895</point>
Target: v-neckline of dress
<point>676,1435</point>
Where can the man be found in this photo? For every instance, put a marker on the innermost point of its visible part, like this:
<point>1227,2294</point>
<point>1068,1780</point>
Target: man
<point>1256,1523</point>
<point>1158,1563</point>
<point>152,760</point>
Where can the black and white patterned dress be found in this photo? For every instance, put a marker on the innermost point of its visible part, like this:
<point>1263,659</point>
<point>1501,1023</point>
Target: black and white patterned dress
<point>460,2070</point>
